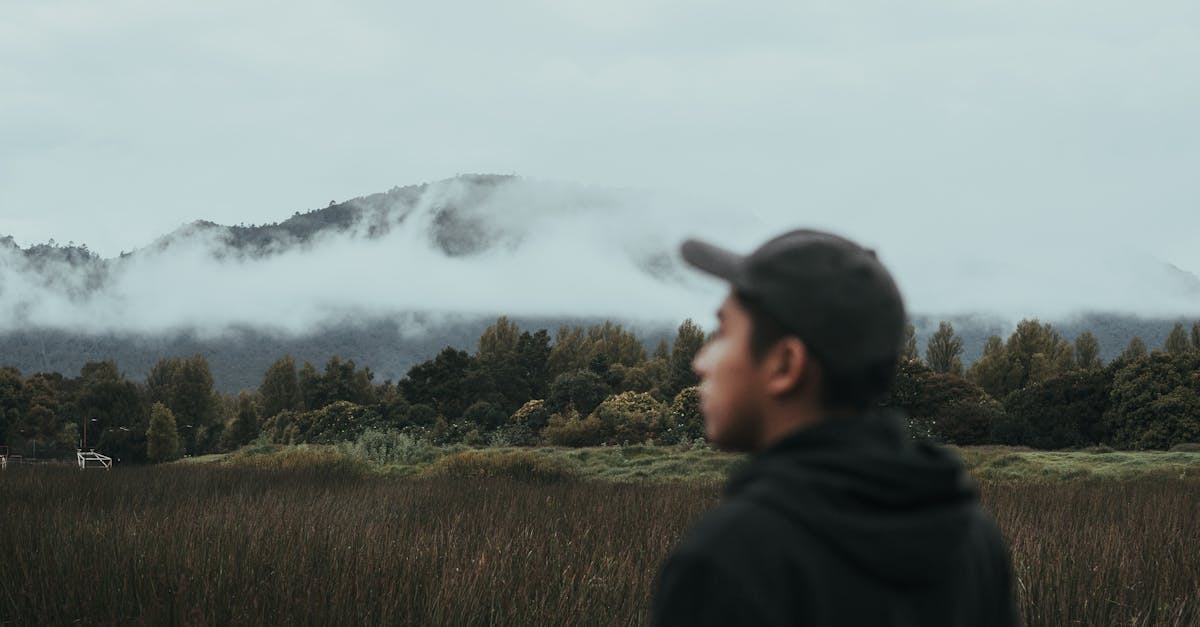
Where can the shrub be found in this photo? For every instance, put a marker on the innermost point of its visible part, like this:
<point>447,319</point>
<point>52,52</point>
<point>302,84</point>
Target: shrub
<point>533,414</point>
<point>1155,402</point>
<point>571,430</point>
<point>513,435</point>
<point>684,422</point>
<point>422,415</point>
<point>393,447</point>
<point>630,417</point>
<point>944,407</point>
<point>1186,447</point>
<point>337,422</point>
<point>581,389</point>
<point>1061,412</point>
<point>967,421</point>
<point>485,415</point>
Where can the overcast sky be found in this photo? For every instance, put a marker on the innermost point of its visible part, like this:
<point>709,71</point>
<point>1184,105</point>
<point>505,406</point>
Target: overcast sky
<point>990,136</point>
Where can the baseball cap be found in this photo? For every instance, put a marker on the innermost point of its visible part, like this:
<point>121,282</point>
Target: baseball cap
<point>832,293</point>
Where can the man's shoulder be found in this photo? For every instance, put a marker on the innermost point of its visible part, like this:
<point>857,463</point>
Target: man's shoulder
<point>738,525</point>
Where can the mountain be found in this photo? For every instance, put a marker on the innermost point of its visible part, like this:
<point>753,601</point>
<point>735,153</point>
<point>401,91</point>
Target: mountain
<point>389,279</point>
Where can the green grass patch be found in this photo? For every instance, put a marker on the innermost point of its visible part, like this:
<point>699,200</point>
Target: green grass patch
<point>403,457</point>
<point>1012,464</point>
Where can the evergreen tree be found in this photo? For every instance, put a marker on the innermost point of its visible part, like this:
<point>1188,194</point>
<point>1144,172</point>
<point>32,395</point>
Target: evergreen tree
<point>343,381</point>
<point>510,366</point>
<point>44,416</point>
<point>943,353</point>
<point>114,410</point>
<point>688,340</point>
<point>245,425</point>
<point>615,344</point>
<point>162,437</point>
<point>499,341</point>
<point>533,356</point>
<point>1196,336</point>
<point>160,382</point>
<point>13,403</point>
<point>1032,339</point>
<point>908,347</point>
<point>1177,341</point>
<point>569,352</point>
<point>1033,353</point>
<point>1135,350</point>
<point>1087,351</point>
<point>442,383</point>
<point>649,377</point>
<point>280,388</point>
<point>996,372</point>
<point>194,402</point>
<point>185,386</point>
<point>309,382</point>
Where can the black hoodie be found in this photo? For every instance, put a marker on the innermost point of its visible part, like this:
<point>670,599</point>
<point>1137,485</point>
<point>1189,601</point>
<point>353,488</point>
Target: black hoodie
<point>848,522</point>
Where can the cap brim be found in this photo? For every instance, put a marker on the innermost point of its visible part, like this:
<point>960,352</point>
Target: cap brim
<point>713,259</point>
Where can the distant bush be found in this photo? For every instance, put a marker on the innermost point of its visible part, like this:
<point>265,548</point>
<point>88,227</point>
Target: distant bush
<point>684,423</point>
<point>1061,412</point>
<point>945,407</point>
<point>1186,447</point>
<point>569,429</point>
<point>422,415</point>
<point>1155,402</point>
<point>630,417</point>
<point>967,421</point>
<point>393,447</point>
<point>581,389</point>
<point>458,432</point>
<point>337,422</point>
<point>513,435</point>
<point>485,414</point>
<point>533,414</point>
<point>518,465</point>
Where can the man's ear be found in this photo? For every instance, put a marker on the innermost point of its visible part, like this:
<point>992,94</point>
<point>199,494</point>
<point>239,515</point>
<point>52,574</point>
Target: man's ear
<point>789,367</point>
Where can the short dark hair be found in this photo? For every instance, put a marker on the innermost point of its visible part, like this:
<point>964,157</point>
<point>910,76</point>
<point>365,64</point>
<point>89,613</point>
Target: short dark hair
<point>862,389</point>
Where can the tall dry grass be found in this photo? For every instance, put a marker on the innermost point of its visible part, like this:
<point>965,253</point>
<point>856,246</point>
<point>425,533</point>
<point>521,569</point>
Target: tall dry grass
<point>326,543</point>
<point>208,545</point>
<point>1103,552</point>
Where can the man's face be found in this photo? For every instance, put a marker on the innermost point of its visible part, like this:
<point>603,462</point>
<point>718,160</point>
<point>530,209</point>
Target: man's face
<point>731,390</point>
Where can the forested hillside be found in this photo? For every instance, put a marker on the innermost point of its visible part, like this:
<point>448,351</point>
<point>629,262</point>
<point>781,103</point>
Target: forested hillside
<point>390,347</point>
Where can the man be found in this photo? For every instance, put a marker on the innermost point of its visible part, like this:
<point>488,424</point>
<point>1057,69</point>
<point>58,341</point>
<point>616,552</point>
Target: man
<point>837,518</point>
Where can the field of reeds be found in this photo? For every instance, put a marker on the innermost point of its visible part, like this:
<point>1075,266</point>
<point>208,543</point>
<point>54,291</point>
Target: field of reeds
<point>314,537</point>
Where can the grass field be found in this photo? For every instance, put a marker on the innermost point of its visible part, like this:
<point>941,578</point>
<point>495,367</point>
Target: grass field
<point>320,536</point>
<point>642,463</point>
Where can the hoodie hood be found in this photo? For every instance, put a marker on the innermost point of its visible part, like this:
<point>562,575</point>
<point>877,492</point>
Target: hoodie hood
<point>899,509</point>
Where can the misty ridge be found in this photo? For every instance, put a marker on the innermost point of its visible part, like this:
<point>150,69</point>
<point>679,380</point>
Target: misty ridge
<point>472,244</point>
<point>391,278</point>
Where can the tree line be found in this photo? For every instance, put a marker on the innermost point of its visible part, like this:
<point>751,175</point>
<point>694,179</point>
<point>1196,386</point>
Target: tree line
<point>1037,389</point>
<point>600,385</point>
